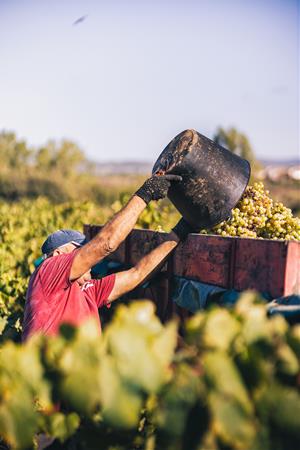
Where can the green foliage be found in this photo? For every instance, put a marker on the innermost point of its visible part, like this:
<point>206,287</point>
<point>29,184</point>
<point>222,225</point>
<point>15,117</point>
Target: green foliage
<point>66,157</point>
<point>59,171</point>
<point>15,186</point>
<point>132,389</point>
<point>14,153</point>
<point>23,228</point>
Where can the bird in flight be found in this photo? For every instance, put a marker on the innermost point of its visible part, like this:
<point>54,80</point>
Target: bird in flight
<point>81,19</point>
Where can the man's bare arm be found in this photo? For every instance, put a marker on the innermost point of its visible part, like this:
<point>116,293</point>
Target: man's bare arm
<point>117,229</point>
<point>109,237</point>
<point>129,279</point>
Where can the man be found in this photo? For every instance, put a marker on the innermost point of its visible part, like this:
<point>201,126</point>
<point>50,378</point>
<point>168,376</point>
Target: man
<point>61,289</point>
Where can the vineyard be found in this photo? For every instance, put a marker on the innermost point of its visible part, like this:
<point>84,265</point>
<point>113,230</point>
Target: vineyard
<point>231,382</point>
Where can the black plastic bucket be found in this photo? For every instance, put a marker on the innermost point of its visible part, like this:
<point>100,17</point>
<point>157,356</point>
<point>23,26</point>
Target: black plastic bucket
<point>213,178</point>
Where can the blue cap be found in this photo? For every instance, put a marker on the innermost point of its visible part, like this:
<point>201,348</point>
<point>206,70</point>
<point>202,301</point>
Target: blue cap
<point>62,237</point>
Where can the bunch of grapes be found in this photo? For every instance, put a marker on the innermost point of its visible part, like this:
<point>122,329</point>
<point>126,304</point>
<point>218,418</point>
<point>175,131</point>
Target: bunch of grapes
<point>257,216</point>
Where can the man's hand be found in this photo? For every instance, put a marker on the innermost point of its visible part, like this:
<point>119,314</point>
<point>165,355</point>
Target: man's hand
<point>156,187</point>
<point>182,229</point>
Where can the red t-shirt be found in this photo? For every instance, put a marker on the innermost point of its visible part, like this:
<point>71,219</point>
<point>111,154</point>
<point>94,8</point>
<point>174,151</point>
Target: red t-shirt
<point>53,299</point>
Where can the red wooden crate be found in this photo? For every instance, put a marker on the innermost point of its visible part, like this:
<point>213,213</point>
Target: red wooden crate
<point>267,265</point>
<point>235,263</point>
<point>204,258</point>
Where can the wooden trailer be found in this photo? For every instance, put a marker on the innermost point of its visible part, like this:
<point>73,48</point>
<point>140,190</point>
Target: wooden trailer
<point>269,266</point>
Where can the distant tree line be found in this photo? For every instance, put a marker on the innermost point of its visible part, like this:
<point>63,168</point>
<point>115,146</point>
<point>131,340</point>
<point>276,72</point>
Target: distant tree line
<point>57,170</point>
<point>65,157</point>
<point>61,170</point>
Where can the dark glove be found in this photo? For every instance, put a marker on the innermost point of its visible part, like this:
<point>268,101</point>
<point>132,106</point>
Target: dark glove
<point>182,229</point>
<point>156,187</point>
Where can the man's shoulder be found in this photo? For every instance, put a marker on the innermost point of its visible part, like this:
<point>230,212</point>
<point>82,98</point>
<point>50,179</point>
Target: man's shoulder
<point>53,274</point>
<point>55,261</point>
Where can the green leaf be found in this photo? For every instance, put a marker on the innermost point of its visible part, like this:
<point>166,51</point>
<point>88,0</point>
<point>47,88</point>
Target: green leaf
<point>177,400</point>
<point>194,327</point>
<point>18,419</point>
<point>163,346</point>
<point>224,377</point>
<point>279,406</point>
<point>121,403</point>
<point>61,426</point>
<point>141,346</point>
<point>287,360</point>
<point>232,424</point>
<point>256,325</point>
<point>3,323</point>
<point>79,365</point>
<point>294,339</point>
<point>220,329</point>
<point>79,386</point>
<point>135,359</point>
<point>21,365</point>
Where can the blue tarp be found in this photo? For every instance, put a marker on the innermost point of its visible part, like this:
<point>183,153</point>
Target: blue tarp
<point>195,296</point>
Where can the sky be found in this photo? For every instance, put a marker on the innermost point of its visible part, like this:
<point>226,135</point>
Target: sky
<point>132,75</point>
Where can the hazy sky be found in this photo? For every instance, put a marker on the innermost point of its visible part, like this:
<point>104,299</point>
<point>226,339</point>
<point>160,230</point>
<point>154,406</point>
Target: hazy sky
<point>133,74</point>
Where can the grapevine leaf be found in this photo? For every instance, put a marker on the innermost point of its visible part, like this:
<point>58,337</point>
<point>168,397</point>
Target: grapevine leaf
<point>121,403</point>
<point>233,425</point>
<point>224,377</point>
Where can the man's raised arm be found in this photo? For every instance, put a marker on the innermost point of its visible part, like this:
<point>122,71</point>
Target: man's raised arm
<point>117,229</point>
